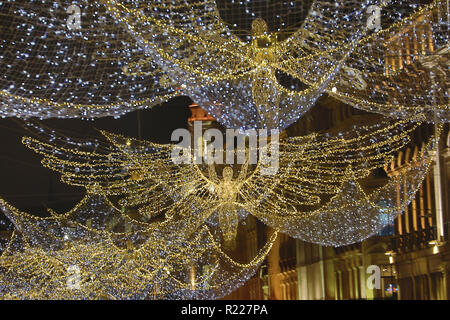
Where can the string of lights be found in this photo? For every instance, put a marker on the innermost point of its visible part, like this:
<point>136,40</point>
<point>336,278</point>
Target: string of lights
<point>95,251</point>
<point>68,59</point>
<point>314,170</point>
<point>251,81</point>
<point>402,69</point>
<point>150,227</point>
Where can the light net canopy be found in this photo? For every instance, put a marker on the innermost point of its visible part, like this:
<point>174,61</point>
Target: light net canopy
<point>250,64</point>
<point>68,59</point>
<point>246,62</point>
<point>402,68</point>
<point>95,251</point>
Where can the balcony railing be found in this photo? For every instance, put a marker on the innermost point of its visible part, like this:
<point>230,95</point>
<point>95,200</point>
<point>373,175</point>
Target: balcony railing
<point>288,264</point>
<point>415,240</point>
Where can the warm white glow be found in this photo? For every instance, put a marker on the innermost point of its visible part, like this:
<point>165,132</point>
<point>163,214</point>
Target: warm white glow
<point>435,249</point>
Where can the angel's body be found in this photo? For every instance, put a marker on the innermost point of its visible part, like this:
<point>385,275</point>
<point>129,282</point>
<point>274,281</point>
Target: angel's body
<point>262,51</point>
<point>227,191</point>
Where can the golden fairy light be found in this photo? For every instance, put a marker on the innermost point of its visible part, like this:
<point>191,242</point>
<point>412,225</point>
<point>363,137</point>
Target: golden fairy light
<point>114,257</point>
<point>318,177</point>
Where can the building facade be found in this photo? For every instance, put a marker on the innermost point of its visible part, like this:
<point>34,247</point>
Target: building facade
<point>410,257</point>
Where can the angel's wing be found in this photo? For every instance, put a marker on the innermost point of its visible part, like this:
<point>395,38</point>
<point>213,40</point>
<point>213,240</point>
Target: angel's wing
<point>90,163</point>
<point>141,172</point>
<point>61,59</point>
<point>212,173</point>
<point>323,36</point>
<point>355,213</point>
<point>189,35</point>
<point>402,69</point>
<point>314,168</point>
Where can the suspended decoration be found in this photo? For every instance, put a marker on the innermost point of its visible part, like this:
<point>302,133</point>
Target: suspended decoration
<point>249,73</point>
<point>244,62</point>
<point>403,68</point>
<point>249,64</point>
<point>68,59</point>
<point>316,173</point>
<point>354,215</point>
<point>95,251</point>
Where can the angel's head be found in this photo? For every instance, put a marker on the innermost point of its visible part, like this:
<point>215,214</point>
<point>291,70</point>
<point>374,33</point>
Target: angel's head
<point>227,173</point>
<point>259,27</point>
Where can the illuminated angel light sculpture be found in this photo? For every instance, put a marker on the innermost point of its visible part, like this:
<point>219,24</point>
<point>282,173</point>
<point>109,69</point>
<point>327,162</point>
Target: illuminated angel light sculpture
<point>245,79</point>
<point>246,63</point>
<point>95,251</point>
<point>316,195</point>
<point>248,76</point>
<point>403,68</point>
